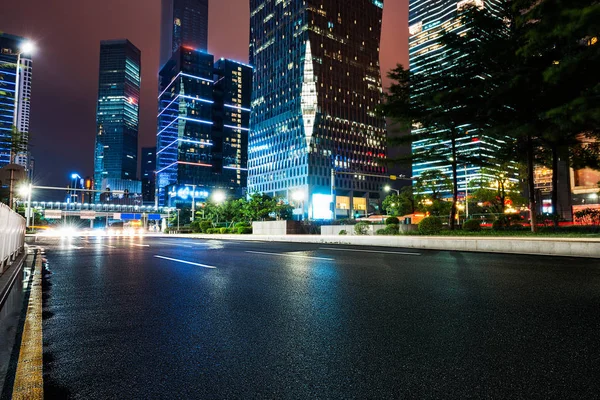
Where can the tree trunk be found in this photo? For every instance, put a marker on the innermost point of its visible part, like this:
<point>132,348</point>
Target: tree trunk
<point>531,183</point>
<point>454,186</point>
<point>555,185</point>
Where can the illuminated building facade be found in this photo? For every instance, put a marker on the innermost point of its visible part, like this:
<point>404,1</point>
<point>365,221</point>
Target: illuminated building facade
<point>117,116</point>
<point>203,124</point>
<point>148,173</point>
<point>317,84</point>
<point>428,21</point>
<point>184,23</point>
<point>11,87</point>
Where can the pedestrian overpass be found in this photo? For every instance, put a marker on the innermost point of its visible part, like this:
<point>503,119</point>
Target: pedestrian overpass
<point>106,212</point>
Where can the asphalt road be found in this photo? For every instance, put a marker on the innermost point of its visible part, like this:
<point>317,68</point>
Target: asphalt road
<point>160,318</point>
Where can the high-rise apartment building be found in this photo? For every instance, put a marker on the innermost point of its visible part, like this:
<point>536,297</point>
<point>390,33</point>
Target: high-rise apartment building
<point>148,173</point>
<point>117,117</point>
<point>203,125</point>
<point>317,84</point>
<point>15,100</point>
<point>428,21</point>
<point>184,23</point>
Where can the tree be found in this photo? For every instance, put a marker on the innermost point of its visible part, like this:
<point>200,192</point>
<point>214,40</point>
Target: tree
<point>429,192</point>
<point>496,190</point>
<point>515,90</point>
<point>259,206</point>
<point>442,104</point>
<point>284,211</point>
<point>400,204</point>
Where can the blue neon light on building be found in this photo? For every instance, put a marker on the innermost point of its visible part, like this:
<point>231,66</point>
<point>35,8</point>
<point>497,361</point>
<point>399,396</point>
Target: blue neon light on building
<point>203,123</point>
<point>10,46</point>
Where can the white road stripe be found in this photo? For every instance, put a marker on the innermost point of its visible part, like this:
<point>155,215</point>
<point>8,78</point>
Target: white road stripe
<point>371,251</point>
<point>174,244</point>
<point>184,262</point>
<point>108,245</point>
<point>140,245</point>
<point>290,255</point>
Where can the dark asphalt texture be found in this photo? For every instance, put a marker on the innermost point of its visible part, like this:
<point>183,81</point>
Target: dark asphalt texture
<point>308,322</point>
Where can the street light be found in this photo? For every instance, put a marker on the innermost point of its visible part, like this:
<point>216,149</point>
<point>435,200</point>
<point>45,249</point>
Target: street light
<point>193,201</point>
<point>219,197</point>
<point>25,191</point>
<point>27,47</point>
<point>388,188</point>
<point>74,177</point>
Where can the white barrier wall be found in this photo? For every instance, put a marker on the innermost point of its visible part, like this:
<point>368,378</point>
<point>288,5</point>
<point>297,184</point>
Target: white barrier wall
<point>12,235</point>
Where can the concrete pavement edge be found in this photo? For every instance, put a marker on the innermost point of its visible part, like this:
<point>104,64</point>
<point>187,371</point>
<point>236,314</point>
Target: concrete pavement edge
<point>563,247</point>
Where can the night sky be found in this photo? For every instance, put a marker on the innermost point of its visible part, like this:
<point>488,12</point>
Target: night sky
<point>65,74</point>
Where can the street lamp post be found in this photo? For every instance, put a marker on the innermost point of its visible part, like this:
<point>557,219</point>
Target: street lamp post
<point>219,197</point>
<point>388,188</point>
<point>193,202</point>
<point>26,191</point>
<point>74,178</point>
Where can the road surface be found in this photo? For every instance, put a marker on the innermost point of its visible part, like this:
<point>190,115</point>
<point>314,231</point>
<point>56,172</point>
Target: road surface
<point>165,318</point>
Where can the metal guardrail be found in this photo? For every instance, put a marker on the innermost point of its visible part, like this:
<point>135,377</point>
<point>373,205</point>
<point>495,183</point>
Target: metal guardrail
<point>12,235</point>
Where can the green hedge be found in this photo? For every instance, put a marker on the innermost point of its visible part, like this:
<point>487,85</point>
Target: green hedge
<point>472,225</point>
<point>361,229</point>
<point>392,221</point>
<point>244,230</point>
<point>205,226</point>
<point>430,226</point>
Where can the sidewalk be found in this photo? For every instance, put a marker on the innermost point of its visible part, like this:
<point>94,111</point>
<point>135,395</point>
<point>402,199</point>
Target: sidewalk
<point>566,247</point>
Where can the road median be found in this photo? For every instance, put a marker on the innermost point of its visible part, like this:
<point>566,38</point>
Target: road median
<point>564,247</point>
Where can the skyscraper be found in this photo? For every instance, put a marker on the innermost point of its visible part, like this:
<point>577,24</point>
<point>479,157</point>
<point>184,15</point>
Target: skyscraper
<point>184,23</point>
<point>148,173</point>
<point>203,123</point>
<point>429,20</point>
<point>117,117</point>
<point>317,84</point>
<point>14,113</point>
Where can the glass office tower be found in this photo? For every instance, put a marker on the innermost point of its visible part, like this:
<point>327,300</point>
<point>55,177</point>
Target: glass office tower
<point>317,84</point>
<point>117,117</point>
<point>429,20</point>
<point>14,113</point>
<point>184,23</point>
<point>203,125</point>
<point>148,175</point>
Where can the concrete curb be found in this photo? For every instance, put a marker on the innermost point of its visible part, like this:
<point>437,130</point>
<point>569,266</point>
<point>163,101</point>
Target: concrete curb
<point>564,247</point>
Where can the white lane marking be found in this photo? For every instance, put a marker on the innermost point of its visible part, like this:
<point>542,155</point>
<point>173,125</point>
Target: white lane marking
<point>290,255</point>
<point>140,245</point>
<point>371,251</point>
<point>174,244</point>
<point>184,262</point>
<point>108,245</point>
